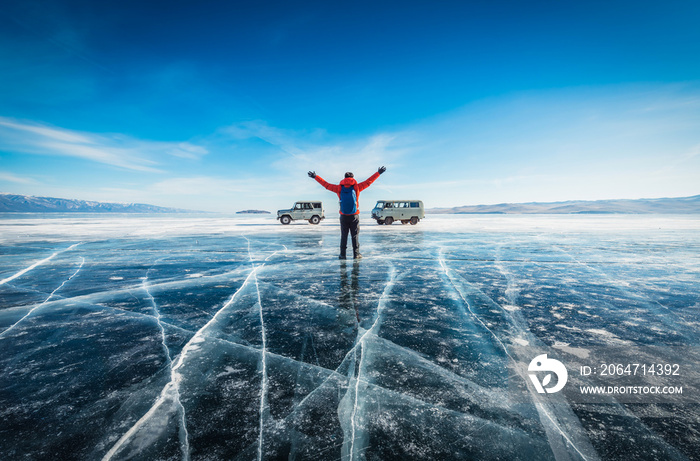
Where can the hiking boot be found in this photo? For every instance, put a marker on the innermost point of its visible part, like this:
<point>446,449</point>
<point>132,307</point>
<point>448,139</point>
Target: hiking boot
<point>342,257</point>
<point>357,256</point>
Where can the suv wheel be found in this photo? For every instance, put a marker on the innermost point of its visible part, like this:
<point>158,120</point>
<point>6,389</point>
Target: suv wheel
<point>414,220</point>
<point>285,219</point>
<point>315,220</point>
<point>389,221</point>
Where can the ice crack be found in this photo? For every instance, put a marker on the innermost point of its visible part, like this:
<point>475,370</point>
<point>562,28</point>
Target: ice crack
<point>183,434</point>
<point>552,426</point>
<point>263,386</point>
<point>450,277</point>
<point>33,309</point>
<point>283,251</point>
<point>36,264</point>
<point>171,389</point>
<point>361,345</point>
<point>263,353</point>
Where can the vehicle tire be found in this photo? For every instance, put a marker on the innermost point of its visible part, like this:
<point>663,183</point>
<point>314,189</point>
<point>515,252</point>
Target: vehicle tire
<point>314,220</point>
<point>404,221</point>
<point>380,221</point>
<point>414,220</point>
<point>285,219</point>
<point>389,221</point>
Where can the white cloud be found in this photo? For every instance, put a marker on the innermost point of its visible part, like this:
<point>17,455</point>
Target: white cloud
<point>578,143</point>
<point>116,150</point>
<point>304,151</point>
<point>547,146</point>
<point>46,132</point>
<point>331,161</point>
<point>201,185</point>
<point>288,141</point>
<point>186,150</point>
<point>10,177</point>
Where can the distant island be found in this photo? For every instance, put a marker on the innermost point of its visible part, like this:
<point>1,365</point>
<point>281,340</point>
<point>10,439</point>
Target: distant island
<point>253,212</point>
<point>10,203</point>
<point>678,205</point>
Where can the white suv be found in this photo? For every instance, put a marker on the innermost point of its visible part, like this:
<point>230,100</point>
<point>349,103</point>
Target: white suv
<point>310,211</point>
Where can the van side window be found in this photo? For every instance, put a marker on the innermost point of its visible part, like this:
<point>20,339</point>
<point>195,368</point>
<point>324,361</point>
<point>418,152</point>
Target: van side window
<point>415,205</point>
<point>317,205</point>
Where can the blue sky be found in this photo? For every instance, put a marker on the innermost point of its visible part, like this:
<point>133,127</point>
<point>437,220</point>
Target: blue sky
<point>224,105</point>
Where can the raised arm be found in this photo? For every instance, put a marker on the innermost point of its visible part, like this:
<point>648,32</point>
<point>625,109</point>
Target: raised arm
<point>331,187</point>
<point>368,182</point>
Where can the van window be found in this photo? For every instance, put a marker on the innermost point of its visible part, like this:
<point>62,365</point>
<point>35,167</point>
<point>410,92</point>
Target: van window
<point>317,205</point>
<point>415,205</point>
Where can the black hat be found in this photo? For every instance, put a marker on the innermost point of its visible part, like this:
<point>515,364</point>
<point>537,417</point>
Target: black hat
<point>349,175</point>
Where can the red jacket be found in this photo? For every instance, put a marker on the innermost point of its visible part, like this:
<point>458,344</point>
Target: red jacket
<point>349,182</point>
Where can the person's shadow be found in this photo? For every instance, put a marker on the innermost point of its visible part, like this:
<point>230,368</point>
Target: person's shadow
<point>349,288</point>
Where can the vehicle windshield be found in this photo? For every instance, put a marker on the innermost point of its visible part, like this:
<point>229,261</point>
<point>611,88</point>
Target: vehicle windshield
<point>379,206</point>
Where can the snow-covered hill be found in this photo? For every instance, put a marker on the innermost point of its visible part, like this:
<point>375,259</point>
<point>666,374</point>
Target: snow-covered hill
<point>31,204</point>
<point>679,205</point>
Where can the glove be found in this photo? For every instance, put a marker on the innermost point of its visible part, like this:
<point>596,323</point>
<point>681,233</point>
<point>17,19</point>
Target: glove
<point>312,174</point>
<point>381,169</point>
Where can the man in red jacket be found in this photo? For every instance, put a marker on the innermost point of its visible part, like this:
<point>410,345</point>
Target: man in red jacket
<point>349,195</point>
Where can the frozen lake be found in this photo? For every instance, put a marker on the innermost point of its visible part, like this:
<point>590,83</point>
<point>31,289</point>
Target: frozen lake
<point>207,337</point>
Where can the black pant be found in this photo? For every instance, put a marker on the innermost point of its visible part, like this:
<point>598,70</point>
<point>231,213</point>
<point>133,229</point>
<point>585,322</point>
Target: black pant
<point>349,223</point>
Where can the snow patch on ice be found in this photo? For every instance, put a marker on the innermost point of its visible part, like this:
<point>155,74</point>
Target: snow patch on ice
<point>577,351</point>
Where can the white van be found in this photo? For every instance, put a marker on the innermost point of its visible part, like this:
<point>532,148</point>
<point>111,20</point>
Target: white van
<point>406,211</point>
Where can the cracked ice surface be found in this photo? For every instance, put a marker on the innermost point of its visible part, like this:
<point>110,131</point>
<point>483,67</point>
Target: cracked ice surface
<point>161,338</point>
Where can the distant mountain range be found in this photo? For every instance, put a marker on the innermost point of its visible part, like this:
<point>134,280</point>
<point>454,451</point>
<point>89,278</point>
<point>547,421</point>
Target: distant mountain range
<point>679,205</point>
<point>29,204</point>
